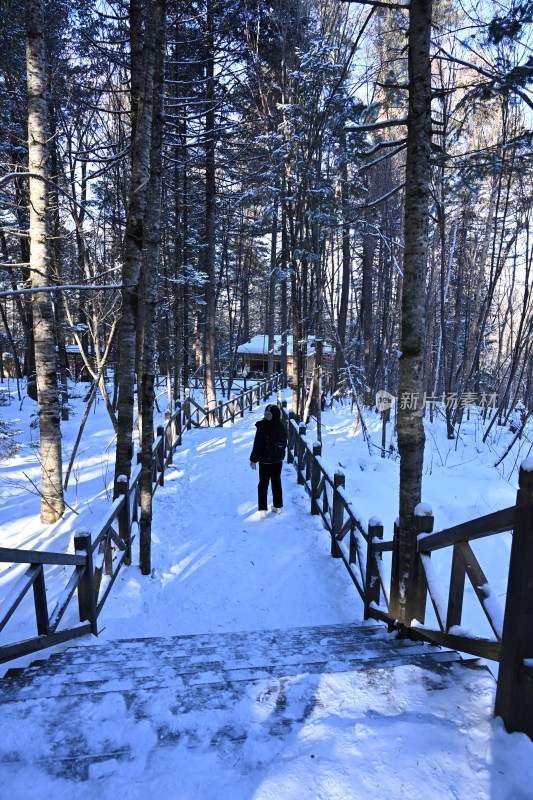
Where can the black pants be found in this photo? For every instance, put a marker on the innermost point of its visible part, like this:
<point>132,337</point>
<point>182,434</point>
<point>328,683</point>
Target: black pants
<point>269,473</point>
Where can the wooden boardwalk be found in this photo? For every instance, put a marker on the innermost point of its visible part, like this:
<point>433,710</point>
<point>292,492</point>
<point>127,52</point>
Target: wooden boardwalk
<point>79,713</point>
<point>282,696</point>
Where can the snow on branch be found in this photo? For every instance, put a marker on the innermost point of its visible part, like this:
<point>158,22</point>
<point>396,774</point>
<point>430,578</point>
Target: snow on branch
<point>402,145</point>
<point>378,4</point>
<point>381,199</point>
<point>64,287</point>
<point>12,175</point>
<point>375,126</point>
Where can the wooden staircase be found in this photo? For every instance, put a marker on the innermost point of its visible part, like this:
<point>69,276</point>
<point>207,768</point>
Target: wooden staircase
<point>75,710</point>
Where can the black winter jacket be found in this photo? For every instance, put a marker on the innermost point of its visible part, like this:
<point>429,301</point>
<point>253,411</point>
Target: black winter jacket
<point>269,444</point>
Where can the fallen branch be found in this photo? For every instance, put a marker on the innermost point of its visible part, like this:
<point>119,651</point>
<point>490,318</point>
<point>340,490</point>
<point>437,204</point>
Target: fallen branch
<point>517,435</point>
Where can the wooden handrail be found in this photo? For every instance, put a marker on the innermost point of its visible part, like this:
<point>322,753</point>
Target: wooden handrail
<point>481,648</point>
<point>338,516</point>
<point>13,556</point>
<point>340,519</point>
<point>513,642</point>
<point>497,522</point>
<point>514,694</point>
<point>111,546</point>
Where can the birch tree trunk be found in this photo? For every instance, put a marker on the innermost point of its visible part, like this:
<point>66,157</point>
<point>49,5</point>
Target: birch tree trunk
<point>410,424</point>
<point>52,504</point>
<point>346,271</point>
<point>133,249</point>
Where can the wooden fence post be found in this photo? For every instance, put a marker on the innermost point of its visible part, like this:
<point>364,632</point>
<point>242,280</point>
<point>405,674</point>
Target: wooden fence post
<point>124,521</point>
<point>232,407</point>
<point>394,577</point>
<point>220,414</point>
<point>514,693</point>
<point>372,582</point>
<point>454,612</point>
<point>86,595</point>
<point>337,513</point>
<point>352,549</point>
<point>169,438</point>
<point>108,554</point>
<point>290,436</point>
<point>308,467</point>
<point>187,410</point>
<point>160,454</point>
<point>40,602</point>
<point>416,604</point>
<point>315,477</point>
<point>178,423</point>
<point>300,450</point>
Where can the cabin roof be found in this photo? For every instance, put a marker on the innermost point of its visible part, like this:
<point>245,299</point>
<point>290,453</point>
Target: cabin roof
<point>258,346</point>
<point>75,349</point>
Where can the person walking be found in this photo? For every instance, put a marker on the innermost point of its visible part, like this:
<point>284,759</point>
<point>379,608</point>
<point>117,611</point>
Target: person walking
<point>268,451</point>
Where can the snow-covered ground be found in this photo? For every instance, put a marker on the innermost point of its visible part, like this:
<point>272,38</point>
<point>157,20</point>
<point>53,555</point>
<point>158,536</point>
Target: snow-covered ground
<point>218,568</point>
<point>460,483</point>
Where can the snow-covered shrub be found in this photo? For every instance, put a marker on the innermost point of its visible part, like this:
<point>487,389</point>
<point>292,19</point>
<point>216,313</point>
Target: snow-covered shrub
<point>8,447</point>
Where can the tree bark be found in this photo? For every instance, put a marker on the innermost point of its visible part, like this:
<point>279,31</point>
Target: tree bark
<point>366,306</point>
<point>52,503</point>
<point>133,250</point>
<point>150,285</point>
<point>271,312</point>
<point>346,272</point>
<point>410,425</point>
<point>210,216</point>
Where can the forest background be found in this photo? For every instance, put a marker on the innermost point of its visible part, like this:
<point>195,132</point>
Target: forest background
<point>178,177</point>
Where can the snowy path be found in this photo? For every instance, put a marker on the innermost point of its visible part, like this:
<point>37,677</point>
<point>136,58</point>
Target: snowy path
<point>216,565</point>
<point>293,732</point>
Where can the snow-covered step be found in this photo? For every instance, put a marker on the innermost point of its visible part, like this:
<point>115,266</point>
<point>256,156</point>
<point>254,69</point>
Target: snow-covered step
<point>216,660</point>
<point>169,729</point>
<point>327,637</point>
<point>329,642</point>
<point>214,674</point>
<point>159,706</point>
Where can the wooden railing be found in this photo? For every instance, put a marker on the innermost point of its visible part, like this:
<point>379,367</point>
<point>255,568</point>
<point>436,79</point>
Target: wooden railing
<point>360,545</point>
<point>197,416</point>
<point>97,561</point>
<point>330,502</point>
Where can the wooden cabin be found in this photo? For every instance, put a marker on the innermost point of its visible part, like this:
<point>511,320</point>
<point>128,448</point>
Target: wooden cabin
<point>9,369</point>
<point>76,364</point>
<point>255,356</point>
